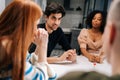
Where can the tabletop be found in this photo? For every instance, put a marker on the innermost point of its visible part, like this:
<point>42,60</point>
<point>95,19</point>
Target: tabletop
<point>81,64</point>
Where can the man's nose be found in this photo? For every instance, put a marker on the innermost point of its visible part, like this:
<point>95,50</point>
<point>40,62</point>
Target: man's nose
<point>57,21</point>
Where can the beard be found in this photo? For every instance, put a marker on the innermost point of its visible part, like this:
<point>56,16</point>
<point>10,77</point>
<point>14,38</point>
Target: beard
<point>53,27</point>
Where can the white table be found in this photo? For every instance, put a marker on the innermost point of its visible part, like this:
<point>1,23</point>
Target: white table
<point>82,64</point>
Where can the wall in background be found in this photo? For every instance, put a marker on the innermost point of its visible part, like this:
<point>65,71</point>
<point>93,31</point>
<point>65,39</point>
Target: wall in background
<point>42,3</point>
<point>7,2</point>
<point>73,16</point>
<point>71,20</point>
<point>2,5</point>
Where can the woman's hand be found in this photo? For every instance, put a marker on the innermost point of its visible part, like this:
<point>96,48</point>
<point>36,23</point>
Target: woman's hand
<point>41,40</point>
<point>99,58</point>
<point>41,37</point>
<point>91,57</point>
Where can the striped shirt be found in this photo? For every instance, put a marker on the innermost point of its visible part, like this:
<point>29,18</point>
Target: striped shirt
<point>38,71</point>
<point>35,70</point>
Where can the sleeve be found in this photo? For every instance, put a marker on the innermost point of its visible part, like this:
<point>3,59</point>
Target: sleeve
<point>82,39</point>
<point>38,71</point>
<point>63,41</point>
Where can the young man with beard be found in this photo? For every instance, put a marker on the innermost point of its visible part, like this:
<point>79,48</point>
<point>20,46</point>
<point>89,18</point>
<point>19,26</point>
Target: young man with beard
<point>54,13</point>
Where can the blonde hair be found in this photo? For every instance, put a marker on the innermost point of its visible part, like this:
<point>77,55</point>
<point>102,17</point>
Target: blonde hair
<point>17,23</point>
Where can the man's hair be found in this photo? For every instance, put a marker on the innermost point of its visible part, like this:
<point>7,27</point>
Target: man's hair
<point>54,8</point>
<point>92,14</point>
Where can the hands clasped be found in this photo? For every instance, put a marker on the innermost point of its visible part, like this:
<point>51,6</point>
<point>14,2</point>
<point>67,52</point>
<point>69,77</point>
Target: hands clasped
<point>69,55</point>
<point>95,58</point>
<point>41,40</point>
<point>41,36</point>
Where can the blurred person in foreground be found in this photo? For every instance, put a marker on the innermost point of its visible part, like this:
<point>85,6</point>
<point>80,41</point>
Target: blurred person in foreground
<point>111,47</point>
<point>18,28</point>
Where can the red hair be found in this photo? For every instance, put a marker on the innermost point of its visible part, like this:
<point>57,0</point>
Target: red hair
<point>17,22</point>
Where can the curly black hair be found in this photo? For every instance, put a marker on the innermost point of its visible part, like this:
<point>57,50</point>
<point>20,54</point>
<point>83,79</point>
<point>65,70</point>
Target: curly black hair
<point>54,7</point>
<point>92,14</point>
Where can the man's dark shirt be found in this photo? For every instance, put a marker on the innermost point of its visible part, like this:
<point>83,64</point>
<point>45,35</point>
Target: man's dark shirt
<point>55,37</point>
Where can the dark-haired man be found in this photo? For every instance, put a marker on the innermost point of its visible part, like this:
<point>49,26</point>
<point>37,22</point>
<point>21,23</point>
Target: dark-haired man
<point>54,13</point>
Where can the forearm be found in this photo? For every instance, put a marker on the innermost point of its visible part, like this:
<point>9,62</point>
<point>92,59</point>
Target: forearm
<point>53,59</point>
<point>41,51</point>
<point>85,53</point>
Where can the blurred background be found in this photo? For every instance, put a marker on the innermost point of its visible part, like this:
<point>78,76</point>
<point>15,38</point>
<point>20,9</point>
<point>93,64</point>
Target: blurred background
<point>74,21</point>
